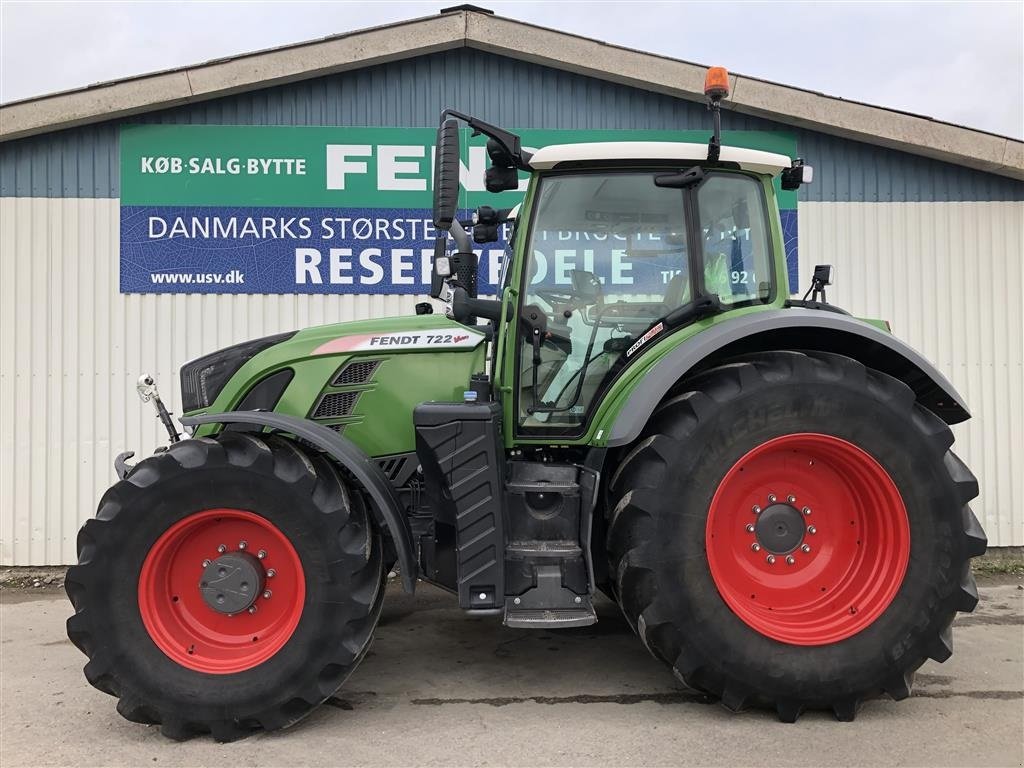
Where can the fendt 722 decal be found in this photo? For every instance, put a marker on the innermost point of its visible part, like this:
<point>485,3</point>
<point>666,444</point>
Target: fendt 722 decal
<point>440,338</point>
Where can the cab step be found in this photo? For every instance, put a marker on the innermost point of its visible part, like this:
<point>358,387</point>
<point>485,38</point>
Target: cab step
<point>543,549</point>
<point>543,618</point>
<point>549,605</point>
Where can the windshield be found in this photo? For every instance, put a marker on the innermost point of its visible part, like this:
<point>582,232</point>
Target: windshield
<point>609,257</point>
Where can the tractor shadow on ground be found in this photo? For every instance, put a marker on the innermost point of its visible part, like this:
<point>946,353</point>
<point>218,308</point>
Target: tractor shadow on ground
<point>428,652</point>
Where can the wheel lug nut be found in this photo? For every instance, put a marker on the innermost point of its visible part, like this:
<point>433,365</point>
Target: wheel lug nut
<point>271,573</point>
<point>221,548</point>
<point>805,548</point>
<point>266,594</point>
<point>790,559</point>
<point>252,609</point>
<point>261,554</point>
<point>811,530</point>
<point>771,498</point>
<point>791,499</point>
<point>806,510</point>
<point>770,559</point>
<point>243,544</point>
<point>756,509</point>
<point>205,563</point>
<point>755,547</point>
<point>750,527</point>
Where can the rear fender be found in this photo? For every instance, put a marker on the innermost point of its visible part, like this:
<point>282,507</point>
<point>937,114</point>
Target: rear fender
<point>387,508</point>
<point>799,329</point>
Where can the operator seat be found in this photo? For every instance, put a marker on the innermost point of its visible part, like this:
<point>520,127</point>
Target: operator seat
<point>677,292</point>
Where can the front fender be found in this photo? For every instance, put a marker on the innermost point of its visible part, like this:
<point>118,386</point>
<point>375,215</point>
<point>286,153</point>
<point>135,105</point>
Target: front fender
<point>385,503</point>
<point>790,329</point>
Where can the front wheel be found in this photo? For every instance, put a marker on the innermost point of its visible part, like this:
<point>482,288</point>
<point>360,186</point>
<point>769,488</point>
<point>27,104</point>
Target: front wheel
<point>792,531</point>
<point>226,585</point>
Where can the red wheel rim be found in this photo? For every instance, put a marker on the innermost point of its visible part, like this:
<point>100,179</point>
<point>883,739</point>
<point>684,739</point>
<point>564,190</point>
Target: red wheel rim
<point>853,539</point>
<point>191,632</point>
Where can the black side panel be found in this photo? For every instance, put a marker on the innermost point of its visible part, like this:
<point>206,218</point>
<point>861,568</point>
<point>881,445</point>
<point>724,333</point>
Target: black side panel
<point>459,446</point>
<point>266,392</point>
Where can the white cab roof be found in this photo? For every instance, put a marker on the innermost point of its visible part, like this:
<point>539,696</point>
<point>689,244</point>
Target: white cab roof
<point>754,160</point>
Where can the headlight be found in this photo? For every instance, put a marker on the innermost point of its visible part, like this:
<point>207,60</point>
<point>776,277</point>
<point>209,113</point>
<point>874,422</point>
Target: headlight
<point>204,378</point>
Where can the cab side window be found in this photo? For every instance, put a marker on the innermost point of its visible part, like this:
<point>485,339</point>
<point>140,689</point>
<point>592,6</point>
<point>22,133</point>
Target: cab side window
<point>735,238</point>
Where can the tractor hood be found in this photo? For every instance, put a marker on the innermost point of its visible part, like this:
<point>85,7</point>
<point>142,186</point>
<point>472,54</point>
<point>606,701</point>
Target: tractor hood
<point>362,378</point>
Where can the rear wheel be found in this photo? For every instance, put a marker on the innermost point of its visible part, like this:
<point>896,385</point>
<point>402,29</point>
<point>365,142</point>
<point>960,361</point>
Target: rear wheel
<point>226,585</point>
<point>792,531</point>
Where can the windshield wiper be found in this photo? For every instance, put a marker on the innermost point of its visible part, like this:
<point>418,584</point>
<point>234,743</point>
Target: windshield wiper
<point>703,306</point>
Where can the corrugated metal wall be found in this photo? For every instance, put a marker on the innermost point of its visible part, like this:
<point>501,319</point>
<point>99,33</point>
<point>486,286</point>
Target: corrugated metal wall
<point>946,272</point>
<point>72,348</point>
<point>949,278</point>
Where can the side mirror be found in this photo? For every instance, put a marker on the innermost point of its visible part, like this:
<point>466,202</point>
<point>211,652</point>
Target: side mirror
<point>446,174</point>
<point>799,174</point>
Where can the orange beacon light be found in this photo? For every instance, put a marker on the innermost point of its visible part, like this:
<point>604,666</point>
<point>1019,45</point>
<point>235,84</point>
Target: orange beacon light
<point>716,83</point>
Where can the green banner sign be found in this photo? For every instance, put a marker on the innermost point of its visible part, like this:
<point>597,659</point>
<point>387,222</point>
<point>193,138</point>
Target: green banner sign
<point>340,167</point>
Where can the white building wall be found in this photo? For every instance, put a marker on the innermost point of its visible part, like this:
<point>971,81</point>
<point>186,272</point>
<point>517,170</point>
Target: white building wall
<point>947,275</point>
<point>949,278</point>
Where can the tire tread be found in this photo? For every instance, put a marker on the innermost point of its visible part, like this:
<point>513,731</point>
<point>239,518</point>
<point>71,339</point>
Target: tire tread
<point>632,521</point>
<point>314,476</point>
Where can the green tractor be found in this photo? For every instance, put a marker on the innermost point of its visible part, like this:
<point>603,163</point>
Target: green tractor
<point>764,485</point>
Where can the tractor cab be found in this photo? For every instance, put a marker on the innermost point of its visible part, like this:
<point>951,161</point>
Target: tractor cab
<point>614,259</point>
<point>616,246</point>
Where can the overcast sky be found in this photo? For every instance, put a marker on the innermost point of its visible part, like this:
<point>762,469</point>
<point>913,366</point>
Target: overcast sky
<point>961,62</point>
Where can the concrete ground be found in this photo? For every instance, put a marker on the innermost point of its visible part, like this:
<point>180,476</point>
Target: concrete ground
<point>439,688</point>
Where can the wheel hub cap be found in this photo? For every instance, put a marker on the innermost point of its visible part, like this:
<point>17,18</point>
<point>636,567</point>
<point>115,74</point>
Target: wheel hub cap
<point>780,529</point>
<point>232,582</point>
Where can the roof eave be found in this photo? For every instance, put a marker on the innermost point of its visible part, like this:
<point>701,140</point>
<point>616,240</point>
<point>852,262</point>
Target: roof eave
<point>772,101</point>
<point>593,58</point>
<point>223,77</point>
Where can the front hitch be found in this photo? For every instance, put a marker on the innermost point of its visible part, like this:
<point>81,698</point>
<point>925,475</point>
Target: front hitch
<point>146,387</point>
